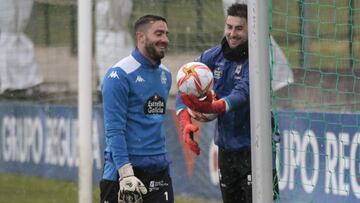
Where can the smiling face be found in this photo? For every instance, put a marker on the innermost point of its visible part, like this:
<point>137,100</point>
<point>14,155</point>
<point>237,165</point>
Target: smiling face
<point>153,41</point>
<point>236,31</point>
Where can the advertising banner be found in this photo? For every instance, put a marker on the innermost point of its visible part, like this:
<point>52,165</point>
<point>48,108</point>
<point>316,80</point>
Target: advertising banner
<point>318,156</point>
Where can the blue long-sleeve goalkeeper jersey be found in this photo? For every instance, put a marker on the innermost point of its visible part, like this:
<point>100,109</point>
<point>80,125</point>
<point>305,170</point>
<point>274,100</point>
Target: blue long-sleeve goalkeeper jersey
<point>134,100</point>
<point>231,83</point>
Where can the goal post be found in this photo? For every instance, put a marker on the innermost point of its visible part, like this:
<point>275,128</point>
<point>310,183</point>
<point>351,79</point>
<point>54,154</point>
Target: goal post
<point>85,101</point>
<point>261,149</point>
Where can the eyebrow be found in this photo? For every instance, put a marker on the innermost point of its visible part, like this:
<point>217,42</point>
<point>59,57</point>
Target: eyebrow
<point>237,26</point>
<point>162,31</point>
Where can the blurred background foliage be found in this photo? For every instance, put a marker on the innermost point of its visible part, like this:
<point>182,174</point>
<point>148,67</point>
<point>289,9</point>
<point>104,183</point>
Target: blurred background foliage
<point>320,39</point>
<point>332,28</point>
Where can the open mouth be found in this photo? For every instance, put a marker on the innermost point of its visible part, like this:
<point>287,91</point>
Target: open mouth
<point>161,48</point>
<point>234,41</point>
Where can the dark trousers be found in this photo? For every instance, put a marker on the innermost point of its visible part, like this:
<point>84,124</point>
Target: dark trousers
<point>235,176</point>
<point>158,185</point>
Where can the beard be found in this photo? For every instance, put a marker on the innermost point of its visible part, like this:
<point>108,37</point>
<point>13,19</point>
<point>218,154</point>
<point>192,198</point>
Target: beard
<point>153,53</point>
<point>238,53</point>
<point>237,42</point>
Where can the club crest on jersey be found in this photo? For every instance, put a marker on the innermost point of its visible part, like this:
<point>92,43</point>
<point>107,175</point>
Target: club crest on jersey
<point>218,73</point>
<point>238,69</point>
<point>155,105</point>
<point>163,78</point>
<point>237,72</point>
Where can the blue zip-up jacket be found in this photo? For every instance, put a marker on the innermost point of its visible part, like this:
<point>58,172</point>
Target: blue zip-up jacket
<point>134,100</point>
<point>231,83</point>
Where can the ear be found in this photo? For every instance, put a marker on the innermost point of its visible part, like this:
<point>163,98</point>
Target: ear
<point>140,37</point>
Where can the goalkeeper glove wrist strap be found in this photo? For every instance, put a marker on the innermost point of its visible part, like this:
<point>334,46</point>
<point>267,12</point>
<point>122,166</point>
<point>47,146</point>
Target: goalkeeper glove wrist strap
<point>126,171</point>
<point>184,118</point>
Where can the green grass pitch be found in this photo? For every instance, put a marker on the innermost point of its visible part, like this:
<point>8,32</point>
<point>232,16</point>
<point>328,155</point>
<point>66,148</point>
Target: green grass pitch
<point>26,189</point>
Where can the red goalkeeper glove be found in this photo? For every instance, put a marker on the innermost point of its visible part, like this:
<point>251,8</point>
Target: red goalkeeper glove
<point>188,129</point>
<point>209,105</point>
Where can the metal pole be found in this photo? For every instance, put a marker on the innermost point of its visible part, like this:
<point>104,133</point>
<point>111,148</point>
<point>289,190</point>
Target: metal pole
<point>85,100</point>
<point>47,24</point>
<point>305,14</point>
<point>259,68</point>
<point>351,33</point>
<point>199,23</point>
<point>73,29</point>
<point>301,22</point>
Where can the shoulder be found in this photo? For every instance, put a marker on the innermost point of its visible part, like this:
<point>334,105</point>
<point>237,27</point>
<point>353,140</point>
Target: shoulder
<point>128,64</point>
<point>211,56</point>
<point>120,71</point>
<point>214,51</point>
<point>122,68</point>
<point>163,67</point>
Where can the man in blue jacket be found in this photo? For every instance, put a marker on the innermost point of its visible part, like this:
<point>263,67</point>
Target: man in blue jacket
<point>230,65</point>
<point>135,91</point>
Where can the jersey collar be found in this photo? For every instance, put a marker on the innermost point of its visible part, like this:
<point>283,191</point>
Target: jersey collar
<point>144,61</point>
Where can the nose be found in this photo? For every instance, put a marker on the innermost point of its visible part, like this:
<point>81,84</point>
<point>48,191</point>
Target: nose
<point>165,39</point>
<point>232,32</point>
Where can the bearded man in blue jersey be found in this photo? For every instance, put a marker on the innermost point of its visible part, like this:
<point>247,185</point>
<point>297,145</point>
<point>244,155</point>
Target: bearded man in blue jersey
<point>134,92</point>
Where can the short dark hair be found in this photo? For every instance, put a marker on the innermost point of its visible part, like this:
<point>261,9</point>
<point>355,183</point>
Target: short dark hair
<point>145,20</point>
<point>239,10</point>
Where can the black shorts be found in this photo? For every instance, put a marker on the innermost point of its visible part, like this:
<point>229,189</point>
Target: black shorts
<point>158,185</point>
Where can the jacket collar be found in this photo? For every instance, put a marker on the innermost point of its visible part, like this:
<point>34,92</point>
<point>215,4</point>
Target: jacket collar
<point>236,54</point>
<point>144,61</point>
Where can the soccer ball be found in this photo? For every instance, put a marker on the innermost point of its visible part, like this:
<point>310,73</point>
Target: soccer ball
<point>194,78</point>
<point>202,117</point>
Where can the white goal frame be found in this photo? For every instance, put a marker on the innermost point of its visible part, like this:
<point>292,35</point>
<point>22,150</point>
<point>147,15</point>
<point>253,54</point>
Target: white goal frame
<point>85,100</point>
<point>259,70</point>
